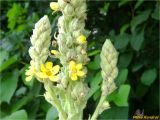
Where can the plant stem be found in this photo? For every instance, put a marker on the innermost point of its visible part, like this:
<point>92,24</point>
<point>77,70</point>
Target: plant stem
<point>96,112</point>
<point>56,102</point>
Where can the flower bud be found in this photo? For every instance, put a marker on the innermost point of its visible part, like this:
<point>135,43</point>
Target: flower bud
<point>109,71</point>
<point>68,10</point>
<point>54,6</point>
<point>80,91</point>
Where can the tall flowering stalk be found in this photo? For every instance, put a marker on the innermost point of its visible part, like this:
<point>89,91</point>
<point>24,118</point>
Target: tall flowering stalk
<point>72,46</point>
<point>65,86</point>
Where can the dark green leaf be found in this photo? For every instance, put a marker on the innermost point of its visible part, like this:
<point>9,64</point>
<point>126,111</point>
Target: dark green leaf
<point>137,40</point>
<point>8,85</point>
<point>125,59</point>
<point>8,62</point>
<point>94,65</point>
<point>122,2</point>
<point>95,84</point>
<point>143,16</point>
<point>124,28</point>
<point>115,113</point>
<point>156,14</point>
<point>138,4</point>
<point>121,41</point>
<point>149,76</point>
<point>122,76</point>
<point>96,80</point>
<point>105,9</point>
<point>137,66</point>
<point>141,90</point>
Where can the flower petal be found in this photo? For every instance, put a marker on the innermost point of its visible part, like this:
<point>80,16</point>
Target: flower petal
<point>74,77</point>
<point>29,72</point>
<point>54,52</point>
<point>29,78</point>
<point>80,73</point>
<point>54,6</point>
<point>32,63</point>
<point>54,78</point>
<point>55,69</point>
<point>72,65</point>
<point>81,39</point>
<point>43,69</point>
<point>41,75</point>
<point>79,66</point>
<point>49,65</point>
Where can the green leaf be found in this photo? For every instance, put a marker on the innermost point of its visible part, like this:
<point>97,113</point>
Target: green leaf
<point>124,28</point>
<point>8,62</point>
<point>34,92</point>
<point>95,84</point>
<point>125,59</point>
<point>96,80</point>
<point>115,113</point>
<point>52,114</point>
<point>8,85</point>
<point>137,20</point>
<point>32,114</point>
<point>20,103</point>
<point>21,91</point>
<point>122,2</point>
<point>97,95</point>
<point>156,15</point>
<point>3,56</point>
<point>149,76</point>
<point>14,12</point>
<point>137,40</point>
<point>104,9</point>
<point>95,52</point>
<point>138,4</point>
<point>141,90</point>
<point>121,98</point>
<point>18,115</point>
<point>137,66</point>
<point>121,41</point>
<point>94,65</point>
<point>122,76</point>
<point>45,105</point>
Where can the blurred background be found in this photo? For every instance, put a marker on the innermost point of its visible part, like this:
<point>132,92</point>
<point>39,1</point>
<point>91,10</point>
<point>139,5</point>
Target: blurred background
<point>133,28</point>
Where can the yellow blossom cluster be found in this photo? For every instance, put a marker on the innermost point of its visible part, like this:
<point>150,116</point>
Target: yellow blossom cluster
<point>75,70</point>
<point>47,71</point>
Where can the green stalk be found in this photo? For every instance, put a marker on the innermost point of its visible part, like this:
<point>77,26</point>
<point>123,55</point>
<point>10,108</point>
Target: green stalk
<point>97,110</point>
<point>56,102</point>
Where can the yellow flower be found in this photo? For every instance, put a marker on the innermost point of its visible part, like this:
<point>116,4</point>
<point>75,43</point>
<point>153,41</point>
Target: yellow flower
<point>54,6</point>
<point>75,70</point>
<point>31,72</point>
<point>48,71</point>
<point>81,39</point>
<point>54,52</point>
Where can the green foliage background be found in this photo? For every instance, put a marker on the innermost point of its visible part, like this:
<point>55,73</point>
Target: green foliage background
<point>131,25</point>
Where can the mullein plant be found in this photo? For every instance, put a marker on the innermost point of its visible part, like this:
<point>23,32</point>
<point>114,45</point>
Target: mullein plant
<point>65,85</point>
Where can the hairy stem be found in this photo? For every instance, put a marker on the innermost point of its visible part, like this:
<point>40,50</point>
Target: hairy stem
<point>56,102</point>
<point>97,110</point>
